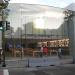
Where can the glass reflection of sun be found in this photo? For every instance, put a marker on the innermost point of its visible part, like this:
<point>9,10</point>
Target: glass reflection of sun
<point>39,23</point>
<point>48,20</point>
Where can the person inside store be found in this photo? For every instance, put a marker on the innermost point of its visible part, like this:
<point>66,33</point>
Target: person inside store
<point>45,50</point>
<point>59,52</point>
<point>41,51</point>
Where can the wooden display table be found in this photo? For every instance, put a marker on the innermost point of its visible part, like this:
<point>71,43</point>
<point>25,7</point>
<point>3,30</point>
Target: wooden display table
<point>19,52</point>
<point>34,52</point>
<point>53,51</point>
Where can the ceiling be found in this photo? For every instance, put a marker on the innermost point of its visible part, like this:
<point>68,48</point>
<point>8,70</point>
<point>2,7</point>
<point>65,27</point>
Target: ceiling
<point>32,8</point>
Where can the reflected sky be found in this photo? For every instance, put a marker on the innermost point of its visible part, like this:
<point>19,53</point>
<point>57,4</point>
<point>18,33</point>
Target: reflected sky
<point>21,14</point>
<point>55,3</point>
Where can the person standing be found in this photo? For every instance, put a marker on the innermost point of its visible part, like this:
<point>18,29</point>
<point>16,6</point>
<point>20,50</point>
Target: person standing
<point>41,51</point>
<point>59,52</point>
<point>45,50</point>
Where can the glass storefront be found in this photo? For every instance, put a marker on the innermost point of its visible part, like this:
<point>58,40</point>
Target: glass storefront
<point>33,27</point>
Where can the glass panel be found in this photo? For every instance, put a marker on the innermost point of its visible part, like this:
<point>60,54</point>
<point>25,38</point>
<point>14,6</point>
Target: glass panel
<point>33,27</point>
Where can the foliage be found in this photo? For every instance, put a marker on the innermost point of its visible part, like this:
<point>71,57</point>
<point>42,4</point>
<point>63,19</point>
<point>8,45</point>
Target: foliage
<point>3,5</point>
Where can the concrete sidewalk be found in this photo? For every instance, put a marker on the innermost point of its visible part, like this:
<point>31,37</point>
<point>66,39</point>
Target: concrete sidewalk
<point>37,62</point>
<point>66,69</point>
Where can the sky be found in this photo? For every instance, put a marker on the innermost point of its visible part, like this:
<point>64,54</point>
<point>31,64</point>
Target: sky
<point>55,3</point>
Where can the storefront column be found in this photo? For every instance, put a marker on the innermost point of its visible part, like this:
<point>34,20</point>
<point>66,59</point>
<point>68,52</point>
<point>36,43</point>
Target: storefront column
<point>71,33</point>
<point>73,40</point>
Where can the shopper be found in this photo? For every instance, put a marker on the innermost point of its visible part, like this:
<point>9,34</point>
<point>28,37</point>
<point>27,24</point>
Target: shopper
<point>59,52</point>
<point>45,50</point>
<point>41,51</point>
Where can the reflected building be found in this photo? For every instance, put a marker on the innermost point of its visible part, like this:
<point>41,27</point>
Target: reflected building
<point>34,24</point>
